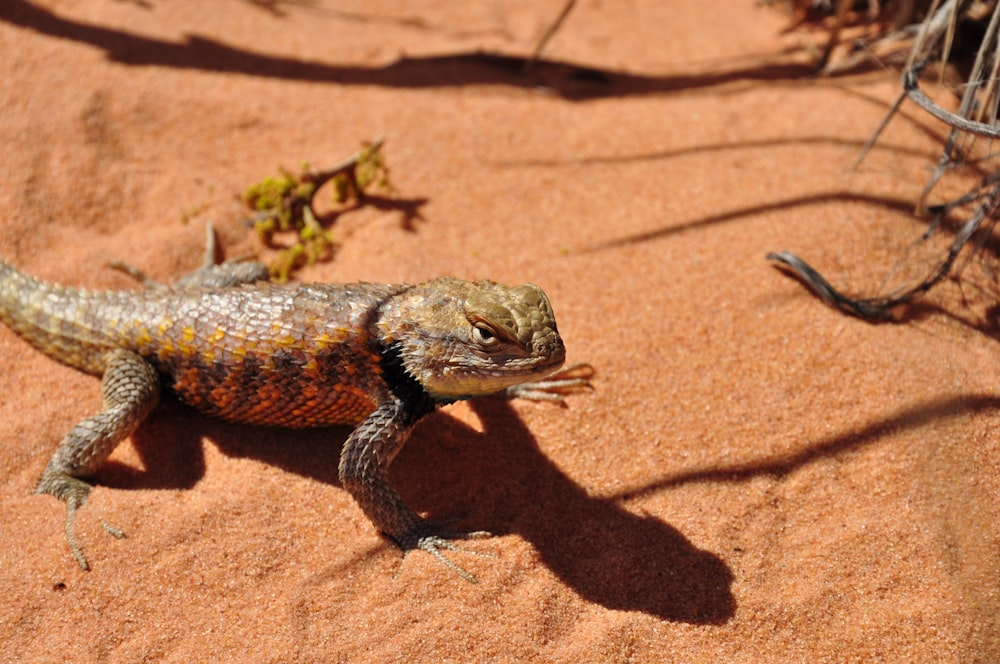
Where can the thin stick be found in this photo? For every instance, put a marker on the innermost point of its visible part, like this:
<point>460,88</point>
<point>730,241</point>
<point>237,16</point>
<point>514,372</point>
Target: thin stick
<point>529,64</point>
<point>878,131</point>
<point>916,95</point>
<point>880,308</point>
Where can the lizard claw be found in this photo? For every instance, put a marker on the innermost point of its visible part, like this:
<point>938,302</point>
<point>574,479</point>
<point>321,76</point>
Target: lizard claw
<point>73,492</point>
<point>554,388</point>
<point>435,544</point>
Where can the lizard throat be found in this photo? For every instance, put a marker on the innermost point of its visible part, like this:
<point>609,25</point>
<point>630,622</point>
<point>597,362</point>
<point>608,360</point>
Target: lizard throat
<point>416,401</point>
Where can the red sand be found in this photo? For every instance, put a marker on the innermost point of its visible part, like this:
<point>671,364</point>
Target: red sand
<point>756,478</point>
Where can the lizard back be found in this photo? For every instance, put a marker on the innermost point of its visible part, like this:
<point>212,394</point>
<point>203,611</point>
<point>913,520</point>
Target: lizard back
<point>284,355</point>
<point>270,354</point>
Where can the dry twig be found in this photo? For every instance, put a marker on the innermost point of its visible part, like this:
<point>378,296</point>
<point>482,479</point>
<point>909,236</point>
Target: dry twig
<point>980,98</point>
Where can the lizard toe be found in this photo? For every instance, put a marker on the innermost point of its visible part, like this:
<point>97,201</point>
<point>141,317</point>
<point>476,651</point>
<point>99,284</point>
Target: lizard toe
<point>431,539</point>
<point>434,544</point>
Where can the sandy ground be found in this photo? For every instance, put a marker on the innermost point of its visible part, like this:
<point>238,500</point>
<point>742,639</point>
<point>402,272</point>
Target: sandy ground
<point>756,478</point>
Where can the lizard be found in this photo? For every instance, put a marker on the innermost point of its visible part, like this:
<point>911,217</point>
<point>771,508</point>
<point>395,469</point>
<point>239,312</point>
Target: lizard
<point>239,347</point>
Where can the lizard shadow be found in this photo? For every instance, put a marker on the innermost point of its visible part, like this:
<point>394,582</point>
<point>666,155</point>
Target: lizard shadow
<point>171,449</point>
<point>605,553</point>
<point>500,481</point>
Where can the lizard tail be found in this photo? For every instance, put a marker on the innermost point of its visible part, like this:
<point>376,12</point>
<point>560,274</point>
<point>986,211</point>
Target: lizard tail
<point>51,318</point>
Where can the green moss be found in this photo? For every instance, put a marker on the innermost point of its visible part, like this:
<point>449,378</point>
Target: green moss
<point>285,204</point>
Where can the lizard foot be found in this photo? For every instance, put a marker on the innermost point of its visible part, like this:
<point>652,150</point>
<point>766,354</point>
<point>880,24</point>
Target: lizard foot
<point>554,388</point>
<point>439,542</point>
<point>211,273</point>
<point>73,491</point>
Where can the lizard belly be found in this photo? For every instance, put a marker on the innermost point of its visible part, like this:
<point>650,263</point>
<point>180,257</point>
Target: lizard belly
<point>276,391</point>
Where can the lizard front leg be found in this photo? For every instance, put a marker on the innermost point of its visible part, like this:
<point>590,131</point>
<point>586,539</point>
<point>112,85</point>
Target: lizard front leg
<point>554,387</point>
<point>130,389</point>
<point>364,465</point>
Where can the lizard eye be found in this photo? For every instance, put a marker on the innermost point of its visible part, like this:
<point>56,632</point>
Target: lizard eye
<point>484,335</point>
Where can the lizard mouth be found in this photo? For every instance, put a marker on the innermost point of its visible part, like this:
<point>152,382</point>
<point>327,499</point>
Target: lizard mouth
<point>462,382</point>
<point>539,363</point>
<point>544,368</point>
<point>539,368</point>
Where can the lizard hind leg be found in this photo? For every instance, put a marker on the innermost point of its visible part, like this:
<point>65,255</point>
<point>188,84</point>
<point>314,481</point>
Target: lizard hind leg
<point>130,389</point>
<point>210,274</point>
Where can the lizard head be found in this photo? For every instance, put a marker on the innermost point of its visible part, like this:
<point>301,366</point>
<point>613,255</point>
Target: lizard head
<point>462,339</point>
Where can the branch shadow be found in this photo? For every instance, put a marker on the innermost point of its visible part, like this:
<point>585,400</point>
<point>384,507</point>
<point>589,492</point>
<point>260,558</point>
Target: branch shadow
<point>729,146</point>
<point>908,418</point>
<point>565,79</point>
<point>409,209</point>
<point>896,204</point>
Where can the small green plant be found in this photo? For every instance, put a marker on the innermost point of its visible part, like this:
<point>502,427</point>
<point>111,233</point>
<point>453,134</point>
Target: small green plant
<point>286,204</point>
